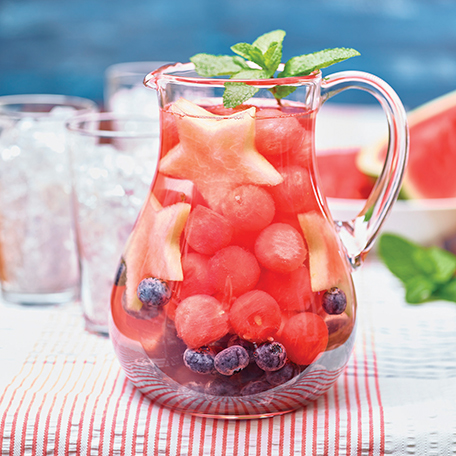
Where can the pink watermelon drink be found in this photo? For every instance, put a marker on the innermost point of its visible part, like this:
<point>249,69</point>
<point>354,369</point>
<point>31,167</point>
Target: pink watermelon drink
<point>233,284</point>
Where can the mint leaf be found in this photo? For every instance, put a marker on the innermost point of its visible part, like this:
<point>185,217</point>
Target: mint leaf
<point>419,289</point>
<point>447,292</point>
<point>273,57</point>
<point>428,273</point>
<point>266,53</point>
<point>208,65</point>
<point>307,63</point>
<point>437,263</point>
<point>249,52</point>
<point>264,42</point>
<point>236,93</point>
<point>397,253</point>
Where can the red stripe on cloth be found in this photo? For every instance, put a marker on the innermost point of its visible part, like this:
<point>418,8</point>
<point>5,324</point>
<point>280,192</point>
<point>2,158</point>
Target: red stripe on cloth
<point>336,420</point>
<point>237,427</point>
<point>348,408</point>
<point>135,425</point>
<point>304,431</point>
<point>368,397</point>
<point>191,434</point>
<point>281,434</point>
<point>326,427</point>
<point>292,432</point>
<point>92,418</point>
<point>180,430</point>
<point>125,424</point>
<point>224,437</point>
<point>157,430</point>
<point>378,394</point>
<point>247,438</point>
<point>103,421</point>
<point>5,414</point>
<point>202,435</point>
<point>27,413</point>
<point>146,432</point>
<point>214,438</point>
<point>315,428</point>
<point>258,445</point>
<point>57,433</point>
<point>358,404</point>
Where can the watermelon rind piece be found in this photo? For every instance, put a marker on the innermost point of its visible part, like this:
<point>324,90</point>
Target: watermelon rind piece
<point>154,248</point>
<point>326,266</point>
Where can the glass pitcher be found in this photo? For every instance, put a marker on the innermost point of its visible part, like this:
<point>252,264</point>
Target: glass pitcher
<point>234,295</point>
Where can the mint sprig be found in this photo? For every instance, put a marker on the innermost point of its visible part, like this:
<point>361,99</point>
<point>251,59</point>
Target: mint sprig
<point>260,60</point>
<point>428,273</point>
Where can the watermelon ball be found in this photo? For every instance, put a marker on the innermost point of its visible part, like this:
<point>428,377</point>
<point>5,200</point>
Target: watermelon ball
<point>292,291</point>
<point>270,356</point>
<point>282,375</point>
<point>195,268</point>
<point>334,301</point>
<point>280,248</point>
<point>200,360</point>
<point>153,292</point>
<point>207,231</point>
<point>231,360</point>
<point>249,207</point>
<point>304,336</point>
<point>201,320</point>
<point>255,316</point>
<point>277,133</point>
<point>234,270</point>
<point>295,194</point>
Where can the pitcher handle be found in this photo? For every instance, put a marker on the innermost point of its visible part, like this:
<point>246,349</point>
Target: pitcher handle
<point>358,235</point>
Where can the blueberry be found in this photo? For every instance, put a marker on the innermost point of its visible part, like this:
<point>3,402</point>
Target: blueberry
<point>231,359</point>
<point>221,387</point>
<point>334,301</point>
<point>270,356</point>
<point>282,375</point>
<point>236,340</point>
<point>255,388</point>
<point>199,360</point>
<point>153,292</point>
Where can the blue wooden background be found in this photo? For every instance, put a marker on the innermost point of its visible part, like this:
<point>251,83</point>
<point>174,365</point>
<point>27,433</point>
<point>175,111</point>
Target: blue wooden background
<point>64,46</point>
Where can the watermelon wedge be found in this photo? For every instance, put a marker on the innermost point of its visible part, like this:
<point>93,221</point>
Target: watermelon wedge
<point>340,176</point>
<point>431,166</point>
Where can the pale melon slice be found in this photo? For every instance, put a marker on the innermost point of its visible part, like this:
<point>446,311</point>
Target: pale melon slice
<point>326,265</point>
<point>154,248</point>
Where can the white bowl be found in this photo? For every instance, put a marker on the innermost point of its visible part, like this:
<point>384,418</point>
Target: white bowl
<point>426,222</point>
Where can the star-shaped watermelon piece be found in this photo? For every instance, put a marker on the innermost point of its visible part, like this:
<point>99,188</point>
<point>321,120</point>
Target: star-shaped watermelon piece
<point>217,153</point>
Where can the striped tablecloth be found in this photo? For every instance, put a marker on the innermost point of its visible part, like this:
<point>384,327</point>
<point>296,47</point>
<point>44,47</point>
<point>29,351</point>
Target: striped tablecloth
<point>62,391</point>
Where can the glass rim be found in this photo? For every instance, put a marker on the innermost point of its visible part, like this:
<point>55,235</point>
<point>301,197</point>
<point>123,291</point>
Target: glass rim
<point>81,104</point>
<point>76,123</point>
<point>166,72</point>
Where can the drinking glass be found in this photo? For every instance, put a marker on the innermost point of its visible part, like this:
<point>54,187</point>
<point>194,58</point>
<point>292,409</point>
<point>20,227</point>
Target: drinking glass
<point>112,158</point>
<point>37,245</point>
